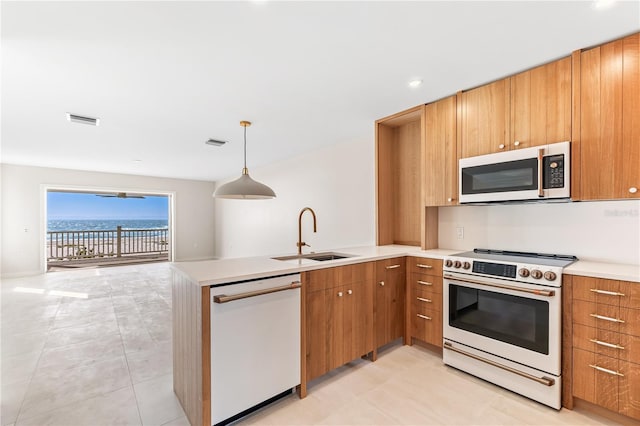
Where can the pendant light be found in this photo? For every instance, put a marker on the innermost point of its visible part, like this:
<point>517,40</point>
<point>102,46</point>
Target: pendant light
<point>245,188</point>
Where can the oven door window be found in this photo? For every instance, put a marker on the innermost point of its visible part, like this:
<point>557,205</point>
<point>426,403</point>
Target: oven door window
<point>519,175</point>
<point>519,321</point>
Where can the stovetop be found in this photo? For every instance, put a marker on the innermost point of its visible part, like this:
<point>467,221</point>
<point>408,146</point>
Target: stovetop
<point>542,259</point>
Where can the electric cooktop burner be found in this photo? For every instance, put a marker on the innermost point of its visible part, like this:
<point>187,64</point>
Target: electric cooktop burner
<point>557,260</point>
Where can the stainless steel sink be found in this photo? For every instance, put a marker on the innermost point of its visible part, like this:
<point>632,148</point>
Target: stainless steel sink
<point>320,257</point>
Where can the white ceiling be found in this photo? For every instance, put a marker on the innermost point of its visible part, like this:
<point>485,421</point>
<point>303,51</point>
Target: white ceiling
<point>165,76</point>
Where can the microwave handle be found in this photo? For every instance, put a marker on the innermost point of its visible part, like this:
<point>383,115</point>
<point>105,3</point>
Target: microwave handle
<point>540,183</point>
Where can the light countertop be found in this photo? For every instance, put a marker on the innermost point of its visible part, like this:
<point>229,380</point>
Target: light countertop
<point>221,271</point>
<point>229,270</point>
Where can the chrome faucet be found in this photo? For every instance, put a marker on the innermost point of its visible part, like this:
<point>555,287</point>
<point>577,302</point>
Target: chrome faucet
<point>301,243</point>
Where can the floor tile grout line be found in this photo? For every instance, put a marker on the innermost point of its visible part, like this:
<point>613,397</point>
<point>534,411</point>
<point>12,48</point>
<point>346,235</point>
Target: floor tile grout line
<point>126,357</point>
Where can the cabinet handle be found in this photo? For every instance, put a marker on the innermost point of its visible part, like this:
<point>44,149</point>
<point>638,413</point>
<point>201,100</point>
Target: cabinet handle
<point>392,266</point>
<point>349,291</point>
<point>381,283</point>
<point>450,200</point>
<point>424,317</point>
<point>339,294</point>
<point>633,190</point>
<point>422,299</point>
<point>540,160</point>
<point>424,283</point>
<point>608,345</point>
<point>608,293</point>
<point>606,370</point>
<point>501,146</point>
<point>516,143</point>
<point>602,317</point>
<point>420,265</point>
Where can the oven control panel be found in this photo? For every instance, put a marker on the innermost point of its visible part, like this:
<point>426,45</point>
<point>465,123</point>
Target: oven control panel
<point>534,274</point>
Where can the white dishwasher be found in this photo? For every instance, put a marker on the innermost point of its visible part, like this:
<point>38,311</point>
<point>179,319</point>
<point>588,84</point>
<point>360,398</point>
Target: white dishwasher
<point>255,343</point>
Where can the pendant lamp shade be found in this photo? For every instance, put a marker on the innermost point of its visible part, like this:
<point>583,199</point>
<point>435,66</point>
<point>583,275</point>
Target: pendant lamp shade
<point>245,188</point>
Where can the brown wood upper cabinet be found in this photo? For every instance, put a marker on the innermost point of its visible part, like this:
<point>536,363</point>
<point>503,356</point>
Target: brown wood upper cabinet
<point>606,131</point>
<point>528,109</point>
<point>440,165</point>
<point>541,105</point>
<point>485,119</point>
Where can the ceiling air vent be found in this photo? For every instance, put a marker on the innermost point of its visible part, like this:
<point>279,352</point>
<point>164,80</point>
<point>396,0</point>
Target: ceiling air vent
<point>215,142</point>
<point>74,118</point>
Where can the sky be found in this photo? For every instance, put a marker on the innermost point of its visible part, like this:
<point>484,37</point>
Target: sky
<point>73,205</point>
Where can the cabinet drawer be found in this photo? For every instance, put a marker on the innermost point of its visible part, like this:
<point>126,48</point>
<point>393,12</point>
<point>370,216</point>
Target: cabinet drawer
<point>426,325</point>
<point>422,281</point>
<point>608,343</point>
<point>631,297</point>
<point>593,385</point>
<point>424,265</point>
<point>597,315</point>
<point>596,290</point>
<point>428,299</point>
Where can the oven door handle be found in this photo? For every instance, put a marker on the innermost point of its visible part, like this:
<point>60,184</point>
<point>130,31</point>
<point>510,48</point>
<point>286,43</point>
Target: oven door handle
<point>547,381</point>
<point>548,293</point>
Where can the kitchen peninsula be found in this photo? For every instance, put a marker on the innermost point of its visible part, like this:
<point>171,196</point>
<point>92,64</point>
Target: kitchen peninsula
<point>193,284</point>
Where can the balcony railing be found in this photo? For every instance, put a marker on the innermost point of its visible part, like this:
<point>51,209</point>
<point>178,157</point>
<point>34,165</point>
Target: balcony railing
<point>89,244</point>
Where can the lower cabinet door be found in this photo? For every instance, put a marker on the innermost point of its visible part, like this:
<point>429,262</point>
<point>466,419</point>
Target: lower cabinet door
<point>316,332</point>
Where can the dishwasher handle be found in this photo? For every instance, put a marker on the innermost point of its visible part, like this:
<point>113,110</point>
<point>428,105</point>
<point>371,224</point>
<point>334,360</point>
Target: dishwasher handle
<point>223,298</point>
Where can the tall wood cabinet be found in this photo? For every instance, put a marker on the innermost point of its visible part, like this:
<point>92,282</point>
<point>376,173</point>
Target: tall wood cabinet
<point>603,347</point>
<point>389,303</point>
<point>440,153</point>
<point>606,130</point>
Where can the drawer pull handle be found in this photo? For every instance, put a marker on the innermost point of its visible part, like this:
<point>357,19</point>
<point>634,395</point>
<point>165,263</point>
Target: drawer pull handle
<point>420,265</point>
<point>381,283</point>
<point>602,317</point>
<point>424,283</point>
<point>608,293</point>
<point>424,317</point>
<point>422,299</point>
<point>606,370</point>
<point>608,345</point>
<point>392,266</point>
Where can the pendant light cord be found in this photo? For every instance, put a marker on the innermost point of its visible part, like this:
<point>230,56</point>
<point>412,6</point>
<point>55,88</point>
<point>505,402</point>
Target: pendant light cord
<point>245,147</point>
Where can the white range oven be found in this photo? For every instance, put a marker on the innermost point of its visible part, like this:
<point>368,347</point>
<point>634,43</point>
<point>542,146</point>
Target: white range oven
<point>502,319</point>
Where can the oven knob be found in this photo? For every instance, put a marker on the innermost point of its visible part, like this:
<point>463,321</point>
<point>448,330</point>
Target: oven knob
<point>466,265</point>
<point>448,263</point>
<point>524,272</point>
<point>536,274</point>
<point>550,276</point>
<point>457,264</point>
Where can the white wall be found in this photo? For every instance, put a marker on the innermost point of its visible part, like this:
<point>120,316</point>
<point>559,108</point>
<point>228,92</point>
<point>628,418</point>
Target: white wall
<point>22,207</point>
<point>600,230</point>
<point>337,182</point>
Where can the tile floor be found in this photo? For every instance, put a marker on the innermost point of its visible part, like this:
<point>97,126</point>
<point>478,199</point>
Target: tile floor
<point>106,360</point>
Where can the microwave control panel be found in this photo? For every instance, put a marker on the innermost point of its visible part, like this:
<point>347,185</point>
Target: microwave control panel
<point>553,171</point>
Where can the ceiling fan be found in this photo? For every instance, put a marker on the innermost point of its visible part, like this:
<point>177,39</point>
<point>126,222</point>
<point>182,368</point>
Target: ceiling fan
<point>119,195</point>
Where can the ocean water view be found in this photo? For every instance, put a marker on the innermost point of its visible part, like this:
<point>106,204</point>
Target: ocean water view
<point>58,225</point>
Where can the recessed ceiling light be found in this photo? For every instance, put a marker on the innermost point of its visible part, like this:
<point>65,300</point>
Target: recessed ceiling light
<point>135,160</point>
<point>215,142</point>
<point>603,4</point>
<point>75,118</point>
<point>415,83</point>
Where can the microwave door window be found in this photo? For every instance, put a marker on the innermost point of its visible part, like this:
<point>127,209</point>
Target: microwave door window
<point>518,175</point>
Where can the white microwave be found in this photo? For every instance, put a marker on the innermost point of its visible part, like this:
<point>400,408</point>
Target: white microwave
<point>536,173</point>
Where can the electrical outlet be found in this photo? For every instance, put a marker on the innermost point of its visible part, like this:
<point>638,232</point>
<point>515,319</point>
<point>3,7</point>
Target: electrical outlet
<point>460,232</point>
